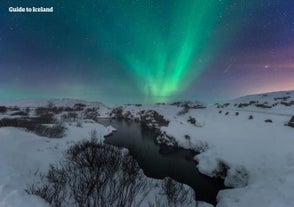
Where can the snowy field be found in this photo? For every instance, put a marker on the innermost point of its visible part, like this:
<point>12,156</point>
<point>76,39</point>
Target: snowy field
<point>246,141</point>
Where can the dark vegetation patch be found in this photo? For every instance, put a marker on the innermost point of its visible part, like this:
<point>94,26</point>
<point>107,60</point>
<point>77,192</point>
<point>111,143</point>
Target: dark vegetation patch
<point>284,98</point>
<point>167,144</point>
<point>220,106</point>
<point>264,105</point>
<point>91,113</point>
<point>256,104</point>
<point>160,103</point>
<point>69,116</point>
<point>57,110</point>
<point>189,104</point>
<point>291,103</point>
<point>184,110</point>
<point>221,170</point>
<point>152,119</point>
<point>3,109</point>
<point>234,177</point>
<point>250,117</point>
<point>186,106</point>
<point>36,125</point>
<point>241,105</point>
<point>79,107</point>
<point>174,191</point>
<point>117,113</point>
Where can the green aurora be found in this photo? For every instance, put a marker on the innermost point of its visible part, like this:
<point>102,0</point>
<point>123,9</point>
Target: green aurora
<point>165,52</point>
<point>145,51</point>
<point>166,68</point>
<point>163,47</point>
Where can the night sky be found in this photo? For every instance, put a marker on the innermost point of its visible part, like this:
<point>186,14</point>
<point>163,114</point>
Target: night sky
<point>131,51</point>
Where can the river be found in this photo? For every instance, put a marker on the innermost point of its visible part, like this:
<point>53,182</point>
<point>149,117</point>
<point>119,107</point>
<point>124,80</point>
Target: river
<point>178,165</point>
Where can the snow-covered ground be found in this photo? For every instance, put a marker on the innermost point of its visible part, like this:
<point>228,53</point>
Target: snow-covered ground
<point>246,140</point>
<point>258,155</point>
<point>24,156</point>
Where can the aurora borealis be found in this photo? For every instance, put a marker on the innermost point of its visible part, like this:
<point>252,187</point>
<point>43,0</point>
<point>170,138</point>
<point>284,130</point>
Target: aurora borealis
<point>145,50</point>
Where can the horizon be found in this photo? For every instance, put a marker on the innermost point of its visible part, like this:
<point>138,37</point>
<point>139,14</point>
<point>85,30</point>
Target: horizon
<point>11,101</point>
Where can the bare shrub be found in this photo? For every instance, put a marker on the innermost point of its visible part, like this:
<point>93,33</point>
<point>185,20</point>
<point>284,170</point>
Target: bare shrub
<point>174,191</point>
<point>92,174</point>
<point>35,125</point>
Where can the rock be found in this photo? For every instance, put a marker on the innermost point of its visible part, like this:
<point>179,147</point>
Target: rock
<point>264,105</point>
<point>187,136</point>
<point>236,177</point>
<point>192,120</point>
<point>117,113</point>
<point>291,122</point>
<point>153,119</point>
<point>285,98</point>
<point>287,103</point>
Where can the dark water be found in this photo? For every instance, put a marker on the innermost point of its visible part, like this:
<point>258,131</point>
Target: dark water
<point>141,144</point>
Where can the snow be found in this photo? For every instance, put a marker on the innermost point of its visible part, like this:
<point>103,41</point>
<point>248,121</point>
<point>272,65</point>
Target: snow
<point>264,150</point>
<point>23,155</point>
<point>259,156</point>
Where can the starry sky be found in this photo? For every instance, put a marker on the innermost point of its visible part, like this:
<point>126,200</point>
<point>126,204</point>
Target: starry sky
<point>146,51</point>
